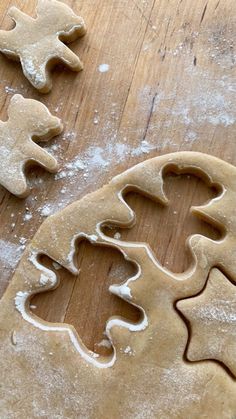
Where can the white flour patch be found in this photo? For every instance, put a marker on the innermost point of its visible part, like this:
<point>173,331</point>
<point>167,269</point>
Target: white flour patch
<point>122,291</point>
<point>221,45</point>
<point>51,208</point>
<point>105,343</point>
<point>10,254</point>
<point>128,351</point>
<point>43,279</point>
<point>69,136</point>
<point>46,210</point>
<point>11,90</point>
<point>27,216</point>
<point>191,137</point>
<point>221,311</point>
<point>20,300</point>
<point>104,68</point>
<point>56,266</point>
<point>97,158</point>
<point>144,148</point>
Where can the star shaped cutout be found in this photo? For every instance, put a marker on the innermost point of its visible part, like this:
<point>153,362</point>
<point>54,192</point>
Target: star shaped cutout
<point>211,318</point>
<point>39,43</point>
<point>28,121</point>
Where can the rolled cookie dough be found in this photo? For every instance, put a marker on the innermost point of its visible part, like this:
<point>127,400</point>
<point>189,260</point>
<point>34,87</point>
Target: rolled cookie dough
<point>45,368</point>
<point>212,317</point>
<point>38,43</point>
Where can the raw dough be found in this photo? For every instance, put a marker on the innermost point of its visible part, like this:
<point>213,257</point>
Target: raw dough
<point>212,317</point>
<point>46,371</point>
<point>38,43</point>
<point>28,119</point>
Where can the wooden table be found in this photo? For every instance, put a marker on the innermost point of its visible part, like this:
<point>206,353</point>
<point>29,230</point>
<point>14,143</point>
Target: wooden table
<point>170,86</point>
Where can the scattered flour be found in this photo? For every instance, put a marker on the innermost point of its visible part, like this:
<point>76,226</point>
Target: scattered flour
<point>51,208</point>
<point>70,135</point>
<point>128,351</point>
<point>56,266</point>
<point>10,253</point>
<point>27,216</point>
<point>11,90</point>
<point>205,101</point>
<point>105,343</point>
<point>144,148</point>
<point>190,137</point>
<point>93,237</point>
<point>104,68</point>
<point>222,311</point>
<point>97,158</point>
<point>46,210</point>
<point>43,279</point>
<point>37,76</point>
<point>20,300</point>
<point>22,242</point>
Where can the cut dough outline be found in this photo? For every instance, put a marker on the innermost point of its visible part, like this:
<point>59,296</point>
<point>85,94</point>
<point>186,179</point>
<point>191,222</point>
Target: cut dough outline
<point>22,304</point>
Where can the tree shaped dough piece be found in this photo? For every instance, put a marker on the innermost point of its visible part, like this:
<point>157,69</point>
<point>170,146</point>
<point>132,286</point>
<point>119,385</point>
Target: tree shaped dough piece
<point>29,120</point>
<point>38,43</point>
<point>212,319</point>
<point>45,367</point>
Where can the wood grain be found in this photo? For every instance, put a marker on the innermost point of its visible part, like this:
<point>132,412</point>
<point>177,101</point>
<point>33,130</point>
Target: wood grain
<point>170,87</point>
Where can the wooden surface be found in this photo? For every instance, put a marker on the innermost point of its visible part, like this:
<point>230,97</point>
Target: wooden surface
<point>170,87</point>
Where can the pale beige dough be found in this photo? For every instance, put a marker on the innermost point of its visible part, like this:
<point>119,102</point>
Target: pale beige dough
<point>39,43</point>
<point>46,371</point>
<point>28,121</point>
<point>212,316</point>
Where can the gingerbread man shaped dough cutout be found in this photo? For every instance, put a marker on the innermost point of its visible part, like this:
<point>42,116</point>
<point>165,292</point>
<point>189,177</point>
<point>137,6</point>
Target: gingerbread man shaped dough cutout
<point>29,121</point>
<point>38,43</point>
<point>45,367</point>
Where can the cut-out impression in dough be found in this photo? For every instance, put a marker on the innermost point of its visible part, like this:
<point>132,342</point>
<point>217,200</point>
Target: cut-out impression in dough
<point>45,367</point>
<point>39,43</point>
<point>212,320</point>
<point>28,121</point>
<point>99,267</point>
<point>175,221</point>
